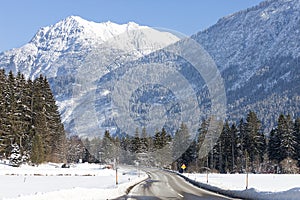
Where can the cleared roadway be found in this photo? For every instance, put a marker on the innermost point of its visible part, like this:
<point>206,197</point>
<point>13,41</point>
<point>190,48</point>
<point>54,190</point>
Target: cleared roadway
<point>166,185</point>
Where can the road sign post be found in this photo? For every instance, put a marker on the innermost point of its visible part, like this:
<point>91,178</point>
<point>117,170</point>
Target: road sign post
<point>117,182</point>
<point>183,166</point>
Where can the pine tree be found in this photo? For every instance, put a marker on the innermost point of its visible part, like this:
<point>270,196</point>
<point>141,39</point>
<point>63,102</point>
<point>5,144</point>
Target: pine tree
<point>161,139</point>
<point>180,143</point>
<point>107,148</point>
<point>28,109</point>
<point>288,140</point>
<point>37,152</point>
<point>95,148</point>
<point>274,150</point>
<point>161,148</point>
<point>202,156</point>
<point>56,128</point>
<point>10,104</point>
<point>126,156</point>
<point>144,141</point>
<point>255,140</point>
<point>190,155</point>
<point>39,116</point>
<point>241,147</point>
<point>4,126</point>
<point>297,136</point>
<point>27,116</point>
<point>47,122</point>
<point>136,142</point>
<point>226,147</point>
<point>22,120</point>
<point>75,149</point>
<point>117,149</point>
<point>233,144</point>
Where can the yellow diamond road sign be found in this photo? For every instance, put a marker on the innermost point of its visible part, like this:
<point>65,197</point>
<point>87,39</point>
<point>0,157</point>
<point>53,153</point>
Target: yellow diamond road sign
<point>183,166</point>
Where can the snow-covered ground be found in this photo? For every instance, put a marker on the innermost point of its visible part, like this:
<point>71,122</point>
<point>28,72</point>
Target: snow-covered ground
<point>91,181</point>
<point>80,181</point>
<point>260,186</point>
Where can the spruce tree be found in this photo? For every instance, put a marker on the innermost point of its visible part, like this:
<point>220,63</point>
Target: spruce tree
<point>136,142</point>
<point>274,150</point>
<point>75,149</point>
<point>37,151</point>
<point>28,109</point>
<point>288,140</point>
<point>125,148</point>
<point>107,148</point>
<point>144,141</point>
<point>297,136</point>
<point>55,126</point>
<point>226,147</point>
<point>4,125</point>
<point>255,140</point>
<point>181,142</point>
<point>10,103</point>
<point>233,146</point>
<point>47,122</point>
<point>39,116</point>
<point>241,147</point>
<point>22,120</point>
<point>202,132</point>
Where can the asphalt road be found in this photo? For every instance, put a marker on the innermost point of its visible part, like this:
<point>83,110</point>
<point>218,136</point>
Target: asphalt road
<point>165,185</point>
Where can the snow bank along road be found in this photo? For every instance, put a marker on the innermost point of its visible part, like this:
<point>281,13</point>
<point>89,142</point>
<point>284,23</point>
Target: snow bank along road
<point>166,185</point>
<point>79,182</point>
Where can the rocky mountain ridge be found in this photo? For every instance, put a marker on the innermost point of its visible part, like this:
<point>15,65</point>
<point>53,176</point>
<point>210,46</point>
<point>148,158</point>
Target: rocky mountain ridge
<point>256,50</point>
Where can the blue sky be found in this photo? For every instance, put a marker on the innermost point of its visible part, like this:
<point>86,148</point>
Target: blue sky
<point>20,19</point>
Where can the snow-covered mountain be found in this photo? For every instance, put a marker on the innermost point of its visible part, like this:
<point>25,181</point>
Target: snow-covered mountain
<point>73,37</point>
<point>256,50</point>
<point>75,53</point>
<point>258,53</point>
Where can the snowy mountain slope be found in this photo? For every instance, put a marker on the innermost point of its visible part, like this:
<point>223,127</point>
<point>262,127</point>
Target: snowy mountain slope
<point>71,36</point>
<point>266,31</point>
<point>256,50</point>
<point>258,53</point>
<point>75,53</point>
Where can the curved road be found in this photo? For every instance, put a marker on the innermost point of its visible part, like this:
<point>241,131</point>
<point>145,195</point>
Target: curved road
<point>165,185</point>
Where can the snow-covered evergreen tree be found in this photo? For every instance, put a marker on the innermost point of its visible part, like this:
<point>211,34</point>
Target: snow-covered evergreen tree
<point>274,151</point>
<point>37,151</point>
<point>144,141</point>
<point>15,158</point>
<point>287,137</point>
<point>255,140</point>
<point>107,148</point>
<point>297,135</point>
<point>28,109</point>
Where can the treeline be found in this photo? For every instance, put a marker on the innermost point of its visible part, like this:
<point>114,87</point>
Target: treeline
<point>240,148</point>
<point>244,147</point>
<point>31,131</point>
<point>30,124</point>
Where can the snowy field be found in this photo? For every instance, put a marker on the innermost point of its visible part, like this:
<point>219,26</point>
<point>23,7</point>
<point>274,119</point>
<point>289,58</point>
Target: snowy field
<point>260,186</point>
<point>50,181</point>
<point>91,181</point>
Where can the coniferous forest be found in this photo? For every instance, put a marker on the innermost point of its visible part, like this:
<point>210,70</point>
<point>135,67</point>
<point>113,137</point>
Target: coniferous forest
<point>242,147</point>
<point>31,131</point>
<point>30,124</point>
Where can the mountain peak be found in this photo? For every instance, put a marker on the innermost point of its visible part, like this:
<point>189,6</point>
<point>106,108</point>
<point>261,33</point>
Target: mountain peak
<point>76,30</point>
<point>74,20</point>
<point>80,21</point>
<point>74,17</point>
